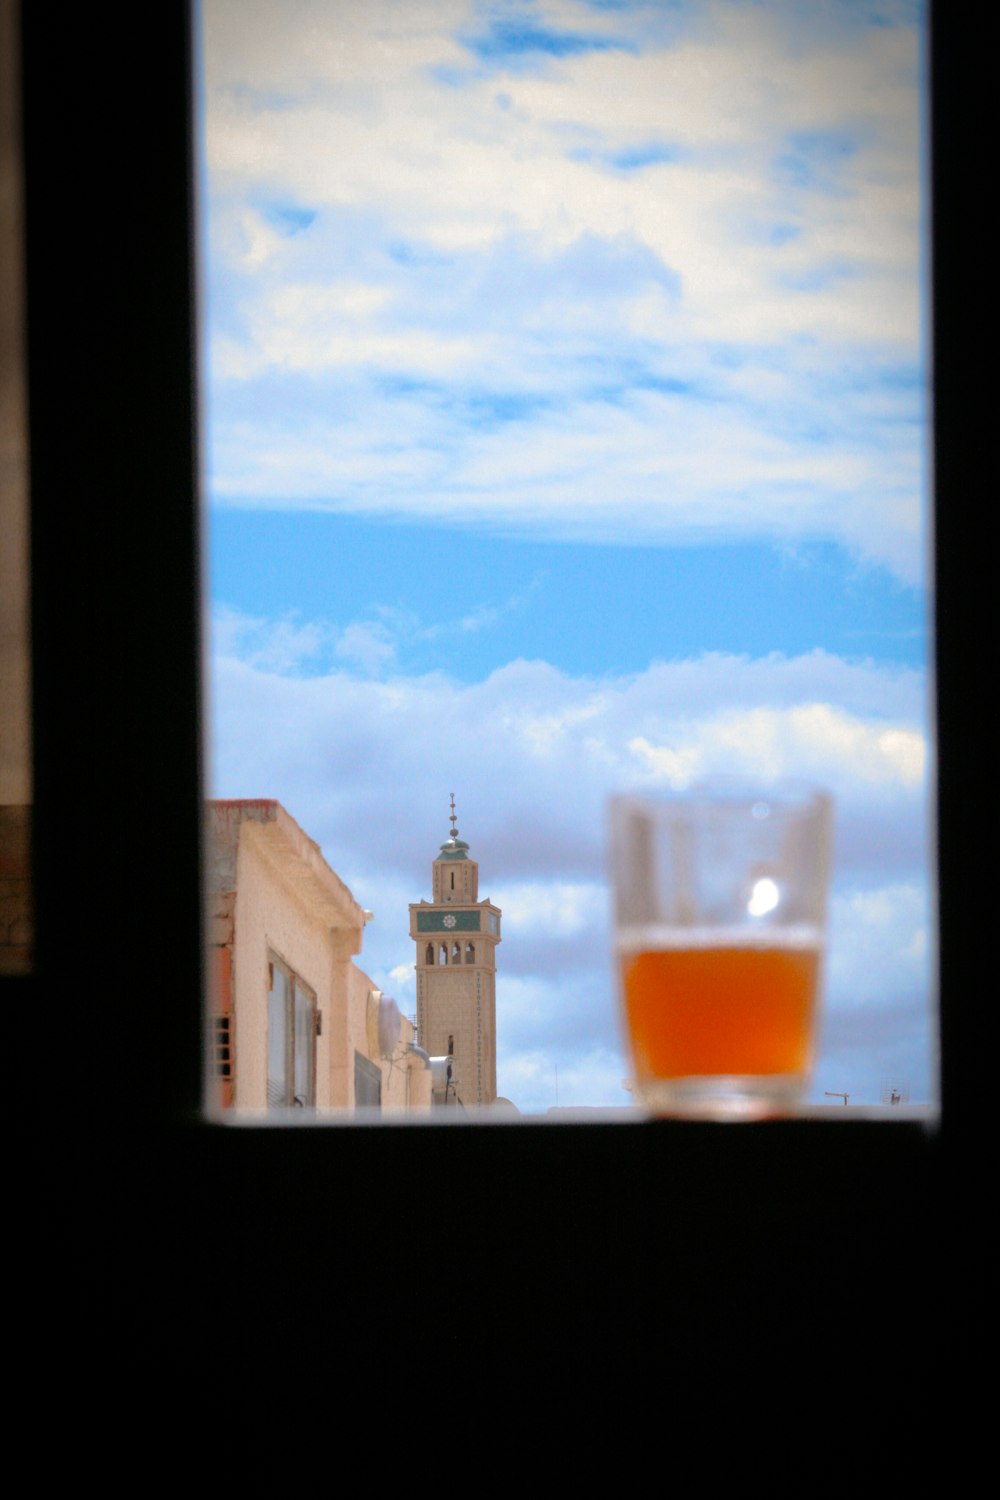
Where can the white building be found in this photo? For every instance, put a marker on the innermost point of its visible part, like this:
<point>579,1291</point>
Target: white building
<point>294,1023</point>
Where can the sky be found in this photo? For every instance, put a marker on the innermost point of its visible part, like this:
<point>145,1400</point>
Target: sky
<point>566,432</point>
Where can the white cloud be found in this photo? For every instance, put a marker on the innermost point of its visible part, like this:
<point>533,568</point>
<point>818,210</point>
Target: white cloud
<point>344,108</point>
<point>281,646</point>
<point>656,468</point>
<point>767,271</point>
<point>317,327</point>
<point>813,739</point>
<point>262,242</point>
<point>880,944</point>
<point>878,1026</point>
<point>367,645</point>
<point>557,909</point>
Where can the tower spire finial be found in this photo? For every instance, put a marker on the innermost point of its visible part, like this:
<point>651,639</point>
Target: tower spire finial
<point>454,829</point>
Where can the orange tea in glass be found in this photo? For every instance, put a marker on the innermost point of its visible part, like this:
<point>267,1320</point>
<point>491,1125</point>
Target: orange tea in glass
<point>720,907</point>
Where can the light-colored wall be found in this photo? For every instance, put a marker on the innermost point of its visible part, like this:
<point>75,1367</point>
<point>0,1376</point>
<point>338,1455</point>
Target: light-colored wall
<point>272,893</point>
<point>460,1001</point>
<point>406,1081</point>
<point>466,874</point>
<point>271,918</point>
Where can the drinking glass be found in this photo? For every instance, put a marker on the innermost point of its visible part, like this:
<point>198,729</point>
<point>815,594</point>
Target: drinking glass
<point>719,921</point>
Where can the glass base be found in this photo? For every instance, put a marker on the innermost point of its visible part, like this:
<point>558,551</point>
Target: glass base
<point>747,1096</point>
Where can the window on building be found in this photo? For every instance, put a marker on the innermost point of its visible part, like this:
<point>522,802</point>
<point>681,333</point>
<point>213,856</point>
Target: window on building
<point>291,1039</point>
<point>222,1054</point>
<point>170,1091</point>
<point>367,1083</point>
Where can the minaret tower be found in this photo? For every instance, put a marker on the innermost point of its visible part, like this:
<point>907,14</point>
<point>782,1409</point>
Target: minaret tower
<point>456,936</point>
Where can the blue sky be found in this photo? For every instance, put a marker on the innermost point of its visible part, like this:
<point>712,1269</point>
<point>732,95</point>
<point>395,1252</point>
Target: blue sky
<point>566,430</point>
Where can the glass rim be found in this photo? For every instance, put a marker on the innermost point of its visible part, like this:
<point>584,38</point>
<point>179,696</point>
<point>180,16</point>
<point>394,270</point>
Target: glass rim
<point>788,794</point>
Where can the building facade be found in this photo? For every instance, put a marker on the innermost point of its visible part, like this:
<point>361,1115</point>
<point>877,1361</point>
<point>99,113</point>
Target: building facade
<point>294,1022</point>
<point>456,937</point>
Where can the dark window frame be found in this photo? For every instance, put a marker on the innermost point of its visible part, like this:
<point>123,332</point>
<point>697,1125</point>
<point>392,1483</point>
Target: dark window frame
<point>735,1226</point>
<point>297,990</point>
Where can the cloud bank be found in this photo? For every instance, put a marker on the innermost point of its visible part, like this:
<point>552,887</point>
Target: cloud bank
<point>574,271</point>
<point>366,765</point>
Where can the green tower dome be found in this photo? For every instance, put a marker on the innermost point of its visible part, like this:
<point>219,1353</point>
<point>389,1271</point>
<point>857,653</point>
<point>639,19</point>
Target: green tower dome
<point>454,849</point>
